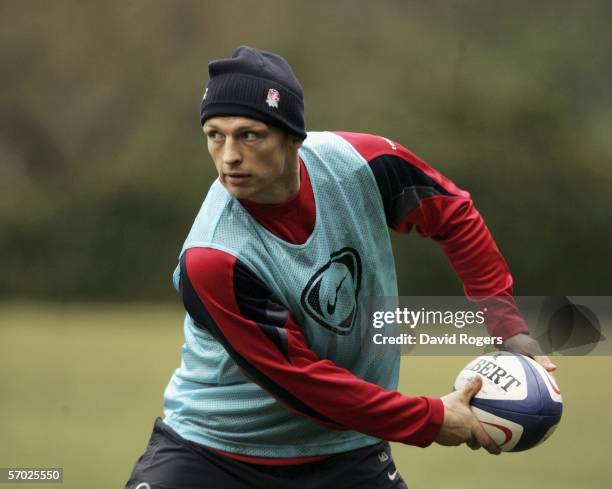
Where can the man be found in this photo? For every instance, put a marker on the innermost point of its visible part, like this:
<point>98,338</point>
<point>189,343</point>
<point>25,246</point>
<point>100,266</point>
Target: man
<point>273,390</point>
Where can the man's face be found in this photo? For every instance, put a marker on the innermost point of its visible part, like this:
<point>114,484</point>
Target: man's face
<point>255,161</point>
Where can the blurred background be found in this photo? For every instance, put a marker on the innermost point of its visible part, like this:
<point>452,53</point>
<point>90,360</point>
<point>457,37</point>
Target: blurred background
<point>103,167</point>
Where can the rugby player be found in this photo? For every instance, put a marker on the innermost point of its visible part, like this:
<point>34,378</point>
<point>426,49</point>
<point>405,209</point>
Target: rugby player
<point>273,390</point>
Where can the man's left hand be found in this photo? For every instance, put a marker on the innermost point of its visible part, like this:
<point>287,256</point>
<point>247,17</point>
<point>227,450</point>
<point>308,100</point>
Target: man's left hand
<point>526,345</point>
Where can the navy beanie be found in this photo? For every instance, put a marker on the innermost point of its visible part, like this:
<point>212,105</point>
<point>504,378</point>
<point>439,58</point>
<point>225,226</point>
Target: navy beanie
<point>255,84</point>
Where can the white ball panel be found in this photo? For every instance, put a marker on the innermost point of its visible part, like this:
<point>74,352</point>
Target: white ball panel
<point>503,432</point>
<point>497,373</point>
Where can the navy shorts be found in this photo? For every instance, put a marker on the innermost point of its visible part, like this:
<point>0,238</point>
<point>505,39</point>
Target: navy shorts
<point>171,462</point>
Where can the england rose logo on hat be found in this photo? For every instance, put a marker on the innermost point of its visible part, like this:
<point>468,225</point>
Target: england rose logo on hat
<point>273,98</point>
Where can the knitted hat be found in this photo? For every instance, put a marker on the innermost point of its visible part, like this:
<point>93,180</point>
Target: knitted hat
<point>255,84</point>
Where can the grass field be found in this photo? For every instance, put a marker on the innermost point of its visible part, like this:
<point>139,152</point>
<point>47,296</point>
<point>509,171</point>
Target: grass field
<point>81,386</point>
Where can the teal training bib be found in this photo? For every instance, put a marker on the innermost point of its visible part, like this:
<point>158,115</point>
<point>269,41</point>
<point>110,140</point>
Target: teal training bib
<point>347,256</point>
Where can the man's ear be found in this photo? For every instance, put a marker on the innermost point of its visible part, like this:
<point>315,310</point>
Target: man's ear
<point>298,142</point>
<point>293,143</point>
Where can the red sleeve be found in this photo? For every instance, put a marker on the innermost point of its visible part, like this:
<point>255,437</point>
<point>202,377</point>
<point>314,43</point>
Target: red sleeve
<point>416,195</point>
<point>222,295</point>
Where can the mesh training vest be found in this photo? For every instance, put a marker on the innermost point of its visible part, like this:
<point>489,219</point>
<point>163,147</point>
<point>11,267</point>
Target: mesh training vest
<point>208,399</point>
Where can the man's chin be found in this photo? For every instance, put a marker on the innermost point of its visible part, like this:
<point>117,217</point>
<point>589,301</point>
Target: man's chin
<point>239,192</point>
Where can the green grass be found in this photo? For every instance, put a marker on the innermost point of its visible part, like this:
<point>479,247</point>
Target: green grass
<point>81,386</point>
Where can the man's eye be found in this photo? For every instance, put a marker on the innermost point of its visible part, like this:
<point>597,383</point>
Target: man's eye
<point>214,135</point>
<point>250,135</point>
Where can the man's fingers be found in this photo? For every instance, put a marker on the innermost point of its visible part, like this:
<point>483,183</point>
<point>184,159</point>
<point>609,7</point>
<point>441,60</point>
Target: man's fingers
<point>484,439</point>
<point>545,362</point>
<point>472,387</point>
<point>473,444</point>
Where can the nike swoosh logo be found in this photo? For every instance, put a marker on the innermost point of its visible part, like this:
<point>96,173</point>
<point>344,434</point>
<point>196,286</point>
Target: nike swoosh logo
<point>332,307</point>
<point>392,476</point>
<point>507,433</point>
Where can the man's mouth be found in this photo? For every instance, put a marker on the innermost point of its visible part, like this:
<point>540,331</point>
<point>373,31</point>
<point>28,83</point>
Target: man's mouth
<point>236,178</point>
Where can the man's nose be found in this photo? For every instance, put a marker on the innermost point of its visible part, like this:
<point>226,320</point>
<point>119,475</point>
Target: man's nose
<point>231,153</point>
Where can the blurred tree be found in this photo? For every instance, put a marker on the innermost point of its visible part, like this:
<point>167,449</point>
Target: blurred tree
<point>103,165</point>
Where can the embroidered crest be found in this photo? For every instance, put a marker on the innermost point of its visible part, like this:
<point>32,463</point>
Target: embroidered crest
<point>273,98</point>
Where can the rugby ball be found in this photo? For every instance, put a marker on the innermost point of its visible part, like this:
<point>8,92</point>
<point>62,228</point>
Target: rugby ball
<point>519,404</point>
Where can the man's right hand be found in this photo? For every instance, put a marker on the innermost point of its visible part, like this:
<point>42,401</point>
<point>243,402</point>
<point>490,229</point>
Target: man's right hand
<point>460,424</point>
